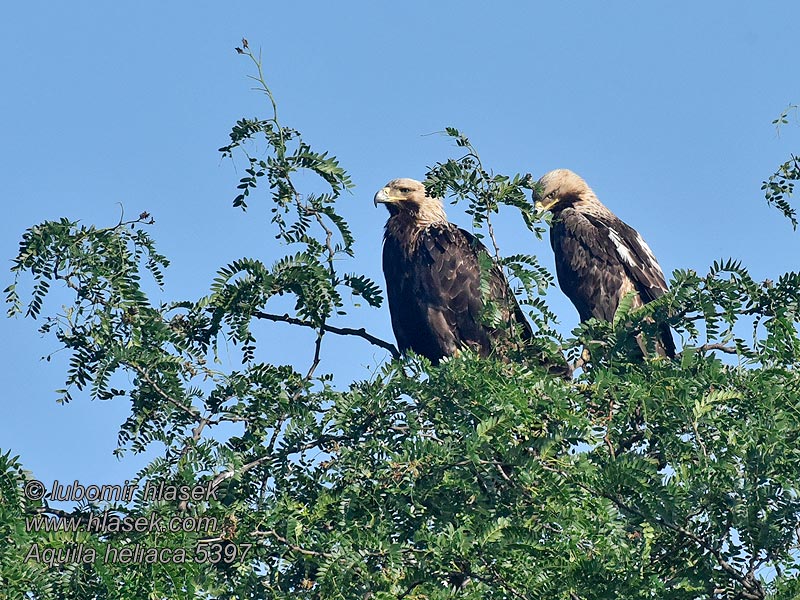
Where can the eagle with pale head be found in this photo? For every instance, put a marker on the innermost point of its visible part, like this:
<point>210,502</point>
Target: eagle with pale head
<point>433,280</point>
<point>599,258</point>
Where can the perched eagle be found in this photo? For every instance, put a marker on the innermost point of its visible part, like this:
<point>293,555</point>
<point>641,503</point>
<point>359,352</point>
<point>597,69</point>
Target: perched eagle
<point>599,259</point>
<point>433,279</point>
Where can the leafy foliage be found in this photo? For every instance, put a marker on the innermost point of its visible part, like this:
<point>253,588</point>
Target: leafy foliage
<point>466,179</point>
<point>17,577</point>
<point>479,478</point>
<point>779,187</point>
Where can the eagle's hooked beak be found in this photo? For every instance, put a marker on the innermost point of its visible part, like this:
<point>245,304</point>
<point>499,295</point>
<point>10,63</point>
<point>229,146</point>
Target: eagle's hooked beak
<point>544,204</point>
<point>383,197</point>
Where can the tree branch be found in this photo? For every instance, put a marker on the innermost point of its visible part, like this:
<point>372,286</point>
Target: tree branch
<point>499,579</point>
<point>752,588</point>
<point>375,341</point>
<point>411,588</point>
<point>190,411</point>
<point>720,347</point>
<point>274,535</point>
<point>317,352</point>
<point>215,483</point>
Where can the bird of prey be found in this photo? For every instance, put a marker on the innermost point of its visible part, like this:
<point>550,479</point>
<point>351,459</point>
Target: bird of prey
<point>433,280</point>
<point>599,259</point>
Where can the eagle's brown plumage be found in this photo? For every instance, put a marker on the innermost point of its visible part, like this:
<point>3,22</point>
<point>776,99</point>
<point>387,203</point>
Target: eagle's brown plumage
<point>599,258</point>
<point>433,279</point>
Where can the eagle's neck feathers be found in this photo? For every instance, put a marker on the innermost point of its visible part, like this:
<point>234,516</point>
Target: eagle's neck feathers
<point>626,240</point>
<point>586,202</point>
<point>406,226</point>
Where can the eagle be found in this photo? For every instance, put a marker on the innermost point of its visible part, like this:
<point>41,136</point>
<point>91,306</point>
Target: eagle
<point>599,258</point>
<point>433,280</point>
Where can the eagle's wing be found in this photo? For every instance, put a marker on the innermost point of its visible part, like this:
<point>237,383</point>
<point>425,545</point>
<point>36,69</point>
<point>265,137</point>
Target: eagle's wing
<point>588,265</point>
<point>500,291</point>
<point>450,278</point>
<point>640,263</point>
<point>408,317</point>
<point>599,261</point>
<point>644,270</point>
<point>435,296</point>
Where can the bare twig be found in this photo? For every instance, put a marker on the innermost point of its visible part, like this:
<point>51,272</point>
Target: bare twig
<point>274,535</point>
<point>375,341</point>
<point>317,352</point>
<point>190,411</point>
<point>411,588</point>
<point>720,347</point>
<point>231,472</point>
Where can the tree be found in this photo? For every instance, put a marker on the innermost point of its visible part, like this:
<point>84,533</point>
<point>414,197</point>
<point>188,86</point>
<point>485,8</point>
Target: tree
<point>478,478</point>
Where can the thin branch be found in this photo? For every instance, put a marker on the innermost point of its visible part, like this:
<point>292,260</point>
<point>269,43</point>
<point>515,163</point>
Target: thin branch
<point>80,516</point>
<point>317,352</point>
<point>328,239</point>
<point>375,341</point>
<point>752,588</point>
<point>231,472</point>
<point>273,534</point>
<point>194,414</point>
<point>498,578</point>
<point>411,588</point>
<point>197,431</point>
<point>269,455</point>
<point>320,442</point>
<point>264,87</point>
<point>607,437</point>
<point>226,418</point>
<point>720,347</point>
<point>578,364</point>
<point>276,430</point>
<point>490,229</point>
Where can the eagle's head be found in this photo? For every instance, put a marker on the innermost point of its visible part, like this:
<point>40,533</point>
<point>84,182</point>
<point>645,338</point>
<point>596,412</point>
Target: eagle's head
<point>407,198</point>
<point>561,188</point>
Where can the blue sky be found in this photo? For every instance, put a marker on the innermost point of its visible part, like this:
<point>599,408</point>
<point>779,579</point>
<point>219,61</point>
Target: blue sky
<point>664,108</point>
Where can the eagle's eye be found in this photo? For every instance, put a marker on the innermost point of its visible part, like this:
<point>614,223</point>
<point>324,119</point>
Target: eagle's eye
<point>404,190</point>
